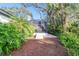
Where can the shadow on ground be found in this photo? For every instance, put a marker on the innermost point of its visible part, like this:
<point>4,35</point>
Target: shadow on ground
<point>41,47</point>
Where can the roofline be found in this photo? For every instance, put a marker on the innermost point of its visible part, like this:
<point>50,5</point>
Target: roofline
<point>7,14</point>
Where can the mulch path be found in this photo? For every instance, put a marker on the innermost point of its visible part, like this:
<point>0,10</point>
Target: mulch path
<point>41,47</point>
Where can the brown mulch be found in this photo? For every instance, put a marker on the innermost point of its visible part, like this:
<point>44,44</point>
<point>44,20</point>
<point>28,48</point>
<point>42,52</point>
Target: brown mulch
<point>41,47</point>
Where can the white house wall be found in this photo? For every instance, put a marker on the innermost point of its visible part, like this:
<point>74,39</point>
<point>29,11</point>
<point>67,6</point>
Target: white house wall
<point>29,18</point>
<point>4,19</point>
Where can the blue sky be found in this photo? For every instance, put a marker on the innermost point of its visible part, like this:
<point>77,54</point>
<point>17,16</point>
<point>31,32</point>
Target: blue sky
<point>35,14</point>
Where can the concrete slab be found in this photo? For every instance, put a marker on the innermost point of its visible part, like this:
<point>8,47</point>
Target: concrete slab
<point>43,35</point>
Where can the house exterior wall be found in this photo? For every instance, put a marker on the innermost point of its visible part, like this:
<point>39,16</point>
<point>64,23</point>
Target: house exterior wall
<point>29,17</point>
<point>4,19</point>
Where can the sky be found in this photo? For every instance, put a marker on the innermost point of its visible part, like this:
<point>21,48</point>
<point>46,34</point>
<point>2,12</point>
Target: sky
<point>35,14</point>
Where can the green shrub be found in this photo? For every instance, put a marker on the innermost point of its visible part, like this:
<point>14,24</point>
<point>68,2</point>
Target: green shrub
<point>74,28</point>
<point>13,34</point>
<point>71,42</point>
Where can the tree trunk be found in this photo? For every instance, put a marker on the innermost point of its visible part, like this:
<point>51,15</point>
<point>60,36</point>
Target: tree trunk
<point>63,17</point>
